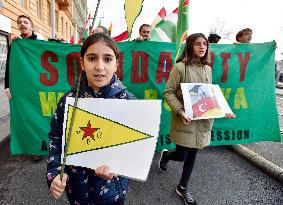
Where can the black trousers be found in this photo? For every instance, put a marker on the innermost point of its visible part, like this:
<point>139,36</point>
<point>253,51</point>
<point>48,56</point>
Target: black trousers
<point>186,155</point>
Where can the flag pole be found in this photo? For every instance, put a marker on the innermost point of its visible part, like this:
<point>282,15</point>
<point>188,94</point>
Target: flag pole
<point>95,13</point>
<point>71,127</point>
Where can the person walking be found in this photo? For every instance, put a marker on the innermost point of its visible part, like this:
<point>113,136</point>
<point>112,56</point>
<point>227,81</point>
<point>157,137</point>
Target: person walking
<point>189,136</point>
<point>99,61</point>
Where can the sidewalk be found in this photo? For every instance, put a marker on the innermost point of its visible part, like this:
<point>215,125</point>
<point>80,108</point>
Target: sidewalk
<point>4,114</point>
<point>267,156</point>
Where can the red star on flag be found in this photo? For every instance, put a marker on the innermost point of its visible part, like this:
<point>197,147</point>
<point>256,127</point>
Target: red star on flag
<point>88,131</point>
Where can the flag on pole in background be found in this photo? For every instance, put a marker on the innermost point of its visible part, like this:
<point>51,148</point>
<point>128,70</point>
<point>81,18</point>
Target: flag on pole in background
<point>182,25</point>
<point>110,28</point>
<point>161,14</point>
<point>122,37</point>
<point>86,30</point>
<point>165,30</point>
<point>72,40</point>
<point>132,11</point>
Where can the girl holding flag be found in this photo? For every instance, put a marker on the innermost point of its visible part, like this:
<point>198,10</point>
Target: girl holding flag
<point>99,61</point>
<point>189,136</point>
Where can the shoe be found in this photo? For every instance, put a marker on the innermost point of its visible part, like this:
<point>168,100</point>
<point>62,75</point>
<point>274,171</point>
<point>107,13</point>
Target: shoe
<point>36,158</point>
<point>162,162</point>
<point>187,197</point>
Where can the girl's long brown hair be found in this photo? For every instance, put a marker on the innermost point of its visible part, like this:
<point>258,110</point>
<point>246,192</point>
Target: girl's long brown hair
<point>187,55</point>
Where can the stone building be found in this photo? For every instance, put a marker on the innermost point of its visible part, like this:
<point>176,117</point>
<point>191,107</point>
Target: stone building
<point>70,17</point>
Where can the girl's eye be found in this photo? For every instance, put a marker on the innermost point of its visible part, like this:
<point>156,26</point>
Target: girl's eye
<point>108,59</point>
<point>91,58</point>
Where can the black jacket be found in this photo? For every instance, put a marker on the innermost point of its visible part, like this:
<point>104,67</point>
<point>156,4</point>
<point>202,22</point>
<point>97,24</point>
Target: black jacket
<point>96,190</point>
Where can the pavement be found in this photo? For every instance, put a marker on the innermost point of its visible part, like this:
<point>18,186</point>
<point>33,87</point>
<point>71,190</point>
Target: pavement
<point>264,155</point>
<point>4,114</point>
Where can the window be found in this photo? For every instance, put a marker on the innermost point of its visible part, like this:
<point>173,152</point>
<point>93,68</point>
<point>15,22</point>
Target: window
<point>56,20</point>
<point>62,26</point>
<point>66,30</point>
<point>22,3</point>
<point>49,13</point>
<point>38,8</point>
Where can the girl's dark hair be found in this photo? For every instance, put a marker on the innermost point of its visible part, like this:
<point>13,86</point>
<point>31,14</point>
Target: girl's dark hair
<point>187,55</point>
<point>97,37</point>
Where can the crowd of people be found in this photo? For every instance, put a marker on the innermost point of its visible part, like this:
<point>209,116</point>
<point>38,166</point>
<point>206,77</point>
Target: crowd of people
<point>99,62</point>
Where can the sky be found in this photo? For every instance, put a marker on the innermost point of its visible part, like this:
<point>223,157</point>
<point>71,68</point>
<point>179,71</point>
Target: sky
<point>265,18</point>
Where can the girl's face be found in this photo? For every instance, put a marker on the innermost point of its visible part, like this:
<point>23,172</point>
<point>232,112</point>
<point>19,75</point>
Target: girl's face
<point>99,63</point>
<point>25,27</point>
<point>199,48</point>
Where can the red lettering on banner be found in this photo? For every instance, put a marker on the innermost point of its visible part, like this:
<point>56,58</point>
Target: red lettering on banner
<point>211,59</point>
<point>162,71</point>
<point>225,57</point>
<point>243,64</point>
<point>140,57</point>
<point>119,72</point>
<point>71,59</point>
<point>50,68</point>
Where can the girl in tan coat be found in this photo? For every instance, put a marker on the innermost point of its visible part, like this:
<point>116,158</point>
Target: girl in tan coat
<point>189,136</point>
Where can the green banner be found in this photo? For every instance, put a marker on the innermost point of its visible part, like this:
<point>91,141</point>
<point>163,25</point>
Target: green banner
<point>40,73</point>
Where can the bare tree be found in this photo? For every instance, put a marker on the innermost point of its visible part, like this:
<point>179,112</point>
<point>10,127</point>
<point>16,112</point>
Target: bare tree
<point>219,27</point>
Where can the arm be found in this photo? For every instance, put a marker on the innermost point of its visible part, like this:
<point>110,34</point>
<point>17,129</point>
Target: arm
<point>171,88</point>
<point>7,89</point>
<point>173,84</point>
<point>55,142</point>
<point>55,182</point>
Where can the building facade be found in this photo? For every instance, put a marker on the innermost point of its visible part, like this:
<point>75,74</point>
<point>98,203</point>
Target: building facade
<point>79,15</point>
<point>69,20</point>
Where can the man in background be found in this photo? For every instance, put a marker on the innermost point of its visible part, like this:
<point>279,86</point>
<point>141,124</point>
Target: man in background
<point>144,32</point>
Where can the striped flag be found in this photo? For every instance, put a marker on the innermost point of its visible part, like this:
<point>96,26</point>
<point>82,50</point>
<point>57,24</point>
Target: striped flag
<point>86,30</point>
<point>72,40</point>
<point>161,14</point>
<point>165,30</point>
<point>122,37</point>
<point>182,25</point>
<point>132,11</point>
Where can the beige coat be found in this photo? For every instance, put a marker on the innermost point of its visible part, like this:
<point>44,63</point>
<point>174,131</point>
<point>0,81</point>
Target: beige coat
<point>198,133</point>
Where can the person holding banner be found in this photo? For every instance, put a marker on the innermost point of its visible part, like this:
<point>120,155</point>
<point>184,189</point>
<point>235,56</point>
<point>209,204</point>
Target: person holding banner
<point>189,136</point>
<point>144,32</point>
<point>99,61</point>
<point>244,36</point>
<point>25,25</point>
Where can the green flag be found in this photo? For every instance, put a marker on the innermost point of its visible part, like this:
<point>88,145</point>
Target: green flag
<point>165,30</point>
<point>182,25</point>
<point>86,30</point>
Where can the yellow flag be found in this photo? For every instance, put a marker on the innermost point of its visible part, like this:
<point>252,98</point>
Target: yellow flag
<point>92,132</point>
<point>132,11</point>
